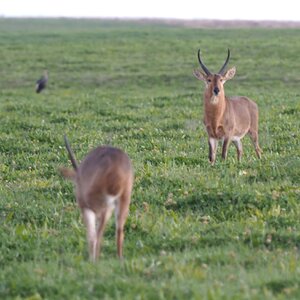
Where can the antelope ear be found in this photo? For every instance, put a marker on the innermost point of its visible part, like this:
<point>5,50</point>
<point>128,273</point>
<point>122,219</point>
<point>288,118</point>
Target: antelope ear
<point>69,174</point>
<point>229,74</point>
<point>199,75</point>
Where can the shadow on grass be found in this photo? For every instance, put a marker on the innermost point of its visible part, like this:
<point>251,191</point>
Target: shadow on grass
<point>222,206</point>
<point>288,287</point>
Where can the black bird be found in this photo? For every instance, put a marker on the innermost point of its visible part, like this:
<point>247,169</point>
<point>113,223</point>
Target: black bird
<point>42,82</point>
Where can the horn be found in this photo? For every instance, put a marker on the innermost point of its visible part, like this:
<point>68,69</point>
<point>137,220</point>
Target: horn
<point>202,64</point>
<point>225,64</point>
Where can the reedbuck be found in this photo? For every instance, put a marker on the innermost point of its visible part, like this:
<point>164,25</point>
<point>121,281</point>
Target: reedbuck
<point>103,183</point>
<point>227,119</point>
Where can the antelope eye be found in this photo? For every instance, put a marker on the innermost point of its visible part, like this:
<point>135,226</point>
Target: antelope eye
<point>209,80</point>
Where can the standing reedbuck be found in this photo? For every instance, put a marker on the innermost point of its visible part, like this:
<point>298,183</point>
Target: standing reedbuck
<point>227,119</point>
<point>103,183</point>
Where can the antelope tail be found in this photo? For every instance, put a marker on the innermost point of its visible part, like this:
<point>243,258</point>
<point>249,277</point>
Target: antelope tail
<point>71,154</point>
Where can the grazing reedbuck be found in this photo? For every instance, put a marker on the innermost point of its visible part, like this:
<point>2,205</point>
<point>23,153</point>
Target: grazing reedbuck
<point>42,82</point>
<point>227,119</point>
<point>103,183</point>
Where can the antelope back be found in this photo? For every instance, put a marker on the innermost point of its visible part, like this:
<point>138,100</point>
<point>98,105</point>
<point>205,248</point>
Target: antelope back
<point>105,171</point>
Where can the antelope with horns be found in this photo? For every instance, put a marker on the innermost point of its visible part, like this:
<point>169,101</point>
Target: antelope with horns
<point>227,119</point>
<point>103,183</point>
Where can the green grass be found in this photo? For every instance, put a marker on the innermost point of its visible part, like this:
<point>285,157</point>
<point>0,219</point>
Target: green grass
<point>230,231</point>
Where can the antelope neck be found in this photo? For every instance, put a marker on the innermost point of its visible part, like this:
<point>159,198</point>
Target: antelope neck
<point>214,113</point>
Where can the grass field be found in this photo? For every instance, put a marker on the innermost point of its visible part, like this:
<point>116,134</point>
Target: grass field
<point>231,231</point>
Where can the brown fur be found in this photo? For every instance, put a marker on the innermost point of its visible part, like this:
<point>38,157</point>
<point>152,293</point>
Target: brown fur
<point>105,173</point>
<point>227,119</point>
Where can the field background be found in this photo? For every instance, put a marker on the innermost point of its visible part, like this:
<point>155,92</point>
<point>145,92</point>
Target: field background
<point>231,231</point>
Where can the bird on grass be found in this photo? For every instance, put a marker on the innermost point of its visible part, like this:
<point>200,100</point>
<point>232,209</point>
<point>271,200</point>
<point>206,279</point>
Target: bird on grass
<point>42,82</point>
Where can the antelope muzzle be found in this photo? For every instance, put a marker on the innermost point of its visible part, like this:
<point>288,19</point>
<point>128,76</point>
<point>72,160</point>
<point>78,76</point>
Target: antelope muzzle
<point>216,90</point>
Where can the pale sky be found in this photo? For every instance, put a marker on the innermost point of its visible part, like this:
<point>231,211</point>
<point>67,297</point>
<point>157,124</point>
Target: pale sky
<point>286,10</point>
